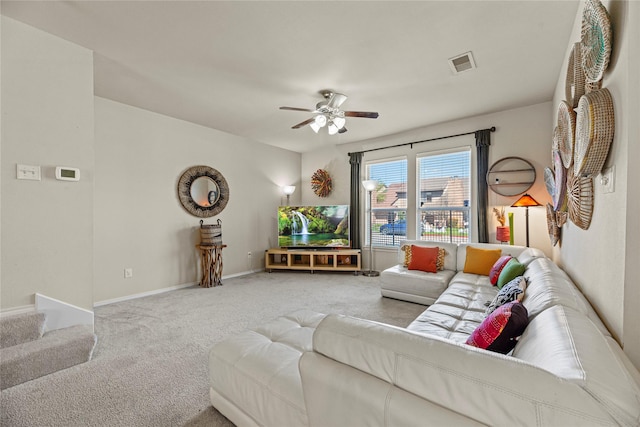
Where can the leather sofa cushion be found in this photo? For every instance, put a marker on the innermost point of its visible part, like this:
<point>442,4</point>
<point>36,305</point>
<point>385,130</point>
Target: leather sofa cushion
<point>257,370</point>
<point>566,343</point>
<point>416,282</point>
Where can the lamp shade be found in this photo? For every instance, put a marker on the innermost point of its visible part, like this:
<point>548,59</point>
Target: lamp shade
<point>370,184</point>
<point>525,201</point>
<point>288,189</point>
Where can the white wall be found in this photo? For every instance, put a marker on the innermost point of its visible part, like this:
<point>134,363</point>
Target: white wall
<point>139,221</point>
<point>603,260</point>
<point>522,132</point>
<point>47,121</point>
<point>48,226</point>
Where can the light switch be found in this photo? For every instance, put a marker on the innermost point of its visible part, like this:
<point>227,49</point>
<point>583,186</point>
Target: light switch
<point>28,172</point>
<point>607,179</point>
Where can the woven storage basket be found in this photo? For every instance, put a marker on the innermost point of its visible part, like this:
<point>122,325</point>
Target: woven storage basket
<point>594,132</point>
<point>574,83</point>
<point>566,132</point>
<point>590,87</point>
<point>580,200</point>
<point>560,182</point>
<point>552,226</point>
<point>595,40</point>
<point>210,234</point>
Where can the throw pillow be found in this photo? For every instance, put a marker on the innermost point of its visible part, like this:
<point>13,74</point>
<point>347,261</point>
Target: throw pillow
<point>440,262</point>
<point>407,254</point>
<point>424,258</point>
<point>480,261</point>
<point>500,330</point>
<point>512,291</point>
<point>510,271</point>
<point>497,268</point>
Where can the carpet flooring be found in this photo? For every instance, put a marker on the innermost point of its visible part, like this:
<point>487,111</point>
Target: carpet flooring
<point>149,367</point>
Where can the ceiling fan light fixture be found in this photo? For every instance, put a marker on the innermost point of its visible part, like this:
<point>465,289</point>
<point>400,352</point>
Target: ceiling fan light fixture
<point>321,120</point>
<point>314,126</point>
<point>332,129</point>
<point>339,121</point>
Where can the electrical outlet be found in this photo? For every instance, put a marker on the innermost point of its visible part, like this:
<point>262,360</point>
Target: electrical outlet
<point>128,273</point>
<point>607,179</point>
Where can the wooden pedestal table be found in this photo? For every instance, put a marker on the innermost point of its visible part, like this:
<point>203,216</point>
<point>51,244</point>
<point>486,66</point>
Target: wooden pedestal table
<point>211,259</point>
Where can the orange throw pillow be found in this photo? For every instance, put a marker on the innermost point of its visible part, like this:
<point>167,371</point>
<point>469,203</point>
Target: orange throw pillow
<point>424,259</point>
<point>480,261</point>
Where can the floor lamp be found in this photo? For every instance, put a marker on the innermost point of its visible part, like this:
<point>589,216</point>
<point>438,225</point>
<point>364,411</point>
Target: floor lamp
<point>370,185</point>
<point>288,191</point>
<point>525,202</point>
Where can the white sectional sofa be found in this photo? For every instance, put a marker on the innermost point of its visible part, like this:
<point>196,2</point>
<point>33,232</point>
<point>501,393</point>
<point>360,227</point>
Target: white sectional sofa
<point>333,370</point>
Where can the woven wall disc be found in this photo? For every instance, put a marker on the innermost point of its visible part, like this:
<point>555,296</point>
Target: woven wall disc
<point>560,181</point>
<point>595,40</point>
<point>566,132</point>
<point>552,226</point>
<point>561,218</point>
<point>574,83</point>
<point>580,200</point>
<point>550,181</point>
<point>594,132</point>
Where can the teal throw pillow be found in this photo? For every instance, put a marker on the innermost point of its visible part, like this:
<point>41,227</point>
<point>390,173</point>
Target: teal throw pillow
<point>510,271</point>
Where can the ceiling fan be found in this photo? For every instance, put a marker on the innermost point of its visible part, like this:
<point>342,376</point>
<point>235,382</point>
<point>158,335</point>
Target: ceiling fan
<point>328,113</point>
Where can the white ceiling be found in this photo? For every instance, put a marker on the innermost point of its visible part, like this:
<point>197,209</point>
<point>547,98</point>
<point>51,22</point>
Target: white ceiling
<point>230,65</point>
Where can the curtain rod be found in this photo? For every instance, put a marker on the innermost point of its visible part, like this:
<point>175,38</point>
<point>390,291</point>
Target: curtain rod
<point>492,129</point>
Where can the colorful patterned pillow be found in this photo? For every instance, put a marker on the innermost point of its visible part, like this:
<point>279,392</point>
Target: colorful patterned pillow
<point>407,257</point>
<point>499,332</point>
<point>440,261</point>
<point>407,254</point>
<point>510,271</point>
<point>512,291</point>
<point>480,261</point>
<point>424,258</point>
<point>497,268</point>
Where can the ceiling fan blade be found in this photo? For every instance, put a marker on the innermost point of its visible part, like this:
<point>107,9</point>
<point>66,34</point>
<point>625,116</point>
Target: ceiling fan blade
<point>336,100</point>
<point>365,114</point>
<point>342,130</point>
<point>301,124</point>
<point>297,109</point>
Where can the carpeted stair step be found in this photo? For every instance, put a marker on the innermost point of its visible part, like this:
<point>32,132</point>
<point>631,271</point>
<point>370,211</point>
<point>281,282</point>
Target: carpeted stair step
<point>56,350</point>
<point>20,328</point>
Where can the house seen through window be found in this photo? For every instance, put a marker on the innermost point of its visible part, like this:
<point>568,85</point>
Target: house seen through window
<point>442,197</point>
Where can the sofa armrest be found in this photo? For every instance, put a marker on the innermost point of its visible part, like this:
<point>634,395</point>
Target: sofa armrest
<point>487,387</point>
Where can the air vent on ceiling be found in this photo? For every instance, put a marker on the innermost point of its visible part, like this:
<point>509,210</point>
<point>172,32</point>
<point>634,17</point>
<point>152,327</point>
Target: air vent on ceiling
<point>462,63</point>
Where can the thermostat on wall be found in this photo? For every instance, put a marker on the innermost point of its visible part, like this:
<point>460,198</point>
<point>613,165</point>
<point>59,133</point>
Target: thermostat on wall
<point>67,174</point>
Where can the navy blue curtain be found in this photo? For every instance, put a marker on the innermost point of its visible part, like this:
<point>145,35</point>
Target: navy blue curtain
<point>355,159</point>
<point>483,141</point>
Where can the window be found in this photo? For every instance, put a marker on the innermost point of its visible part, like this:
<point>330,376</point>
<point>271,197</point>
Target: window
<point>444,192</point>
<point>388,213</point>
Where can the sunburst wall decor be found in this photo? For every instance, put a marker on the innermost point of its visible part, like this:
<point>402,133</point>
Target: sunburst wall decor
<point>321,183</point>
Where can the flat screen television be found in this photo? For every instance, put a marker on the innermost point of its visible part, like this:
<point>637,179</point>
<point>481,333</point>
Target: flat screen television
<point>313,227</point>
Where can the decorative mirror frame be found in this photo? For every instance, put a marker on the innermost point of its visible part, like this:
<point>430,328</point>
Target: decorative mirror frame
<point>184,191</point>
<point>524,171</point>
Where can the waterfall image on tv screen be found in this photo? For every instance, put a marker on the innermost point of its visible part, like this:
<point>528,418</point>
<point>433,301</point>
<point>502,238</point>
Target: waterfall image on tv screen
<point>313,226</point>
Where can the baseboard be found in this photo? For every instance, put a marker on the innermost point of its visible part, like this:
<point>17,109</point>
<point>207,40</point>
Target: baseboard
<point>17,310</point>
<point>168,289</point>
<point>61,314</point>
<point>142,294</point>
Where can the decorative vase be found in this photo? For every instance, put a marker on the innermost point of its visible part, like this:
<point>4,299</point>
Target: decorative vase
<point>503,234</point>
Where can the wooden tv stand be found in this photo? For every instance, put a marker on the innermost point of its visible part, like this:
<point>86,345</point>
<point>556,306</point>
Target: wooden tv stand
<point>313,260</point>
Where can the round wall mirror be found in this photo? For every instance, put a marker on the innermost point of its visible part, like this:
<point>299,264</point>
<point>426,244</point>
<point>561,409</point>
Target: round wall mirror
<point>203,191</point>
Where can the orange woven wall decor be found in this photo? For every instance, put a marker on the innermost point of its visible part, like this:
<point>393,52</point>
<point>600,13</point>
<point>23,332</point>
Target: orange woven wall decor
<point>321,183</point>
